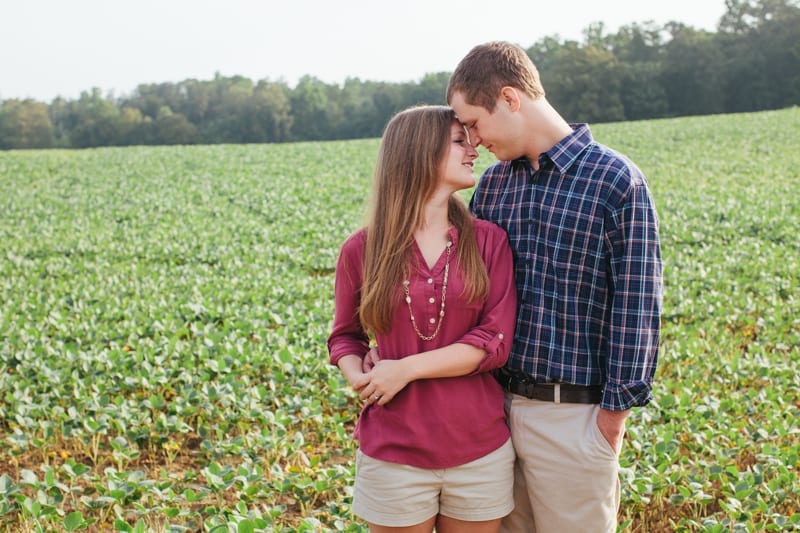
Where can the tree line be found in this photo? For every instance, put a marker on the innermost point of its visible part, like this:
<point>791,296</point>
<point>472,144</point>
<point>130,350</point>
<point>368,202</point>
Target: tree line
<point>643,71</point>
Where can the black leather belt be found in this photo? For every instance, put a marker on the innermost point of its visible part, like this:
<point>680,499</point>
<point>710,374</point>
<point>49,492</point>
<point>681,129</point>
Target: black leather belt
<point>548,392</point>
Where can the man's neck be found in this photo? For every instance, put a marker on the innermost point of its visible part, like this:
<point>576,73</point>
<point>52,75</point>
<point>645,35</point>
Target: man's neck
<point>548,127</point>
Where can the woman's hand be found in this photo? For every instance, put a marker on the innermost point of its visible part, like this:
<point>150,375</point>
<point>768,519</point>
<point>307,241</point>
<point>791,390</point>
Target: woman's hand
<point>386,379</point>
<point>370,359</point>
<point>388,376</point>
<point>350,365</point>
<point>357,380</point>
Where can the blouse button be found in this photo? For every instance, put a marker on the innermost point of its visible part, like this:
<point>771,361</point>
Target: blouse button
<point>500,336</point>
<point>430,280</point>
<point>433,321</point>
<point>431,300</point>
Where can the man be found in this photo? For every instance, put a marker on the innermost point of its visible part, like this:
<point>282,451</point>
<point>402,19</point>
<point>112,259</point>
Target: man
<point>584,232</point>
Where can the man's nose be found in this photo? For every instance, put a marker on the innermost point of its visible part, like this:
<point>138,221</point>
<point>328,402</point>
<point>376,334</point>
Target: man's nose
<point>475,139</point>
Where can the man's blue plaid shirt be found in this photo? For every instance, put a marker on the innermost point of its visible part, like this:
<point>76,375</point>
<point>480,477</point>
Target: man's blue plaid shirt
<point>584,232</point>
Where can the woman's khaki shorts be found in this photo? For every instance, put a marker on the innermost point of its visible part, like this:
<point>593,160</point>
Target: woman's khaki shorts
<point>391,494</point>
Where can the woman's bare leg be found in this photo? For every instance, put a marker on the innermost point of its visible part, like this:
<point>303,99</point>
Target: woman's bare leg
<point>445,524</point>
<point>424,527</point>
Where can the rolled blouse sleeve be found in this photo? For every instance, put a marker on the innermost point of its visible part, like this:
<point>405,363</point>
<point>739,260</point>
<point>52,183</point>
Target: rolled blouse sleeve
<point>347,337</point>
<point>495,329</point>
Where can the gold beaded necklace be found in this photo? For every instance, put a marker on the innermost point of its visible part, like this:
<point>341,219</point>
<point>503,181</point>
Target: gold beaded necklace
<point>406,283</point>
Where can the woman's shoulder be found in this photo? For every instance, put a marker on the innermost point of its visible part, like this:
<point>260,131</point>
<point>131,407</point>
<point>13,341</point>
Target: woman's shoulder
<point>358,237</point>
<point>487,230</point>
<point>354,244</point>
<point>489,236</point>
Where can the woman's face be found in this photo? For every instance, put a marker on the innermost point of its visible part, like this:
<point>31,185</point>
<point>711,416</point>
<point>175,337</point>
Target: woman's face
<point>457,167</point>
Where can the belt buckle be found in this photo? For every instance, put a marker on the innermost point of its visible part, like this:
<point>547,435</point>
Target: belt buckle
<point>507,377</point>
<point>522,382</point>
<point>528,386</point>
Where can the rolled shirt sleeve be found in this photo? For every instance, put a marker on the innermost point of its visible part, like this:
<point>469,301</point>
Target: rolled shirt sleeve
<point>636,271</point>
<point>347,337</point>
<point>494,332</point>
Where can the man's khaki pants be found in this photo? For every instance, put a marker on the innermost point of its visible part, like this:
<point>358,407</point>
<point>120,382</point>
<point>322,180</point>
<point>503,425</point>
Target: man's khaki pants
<point>566,473</point>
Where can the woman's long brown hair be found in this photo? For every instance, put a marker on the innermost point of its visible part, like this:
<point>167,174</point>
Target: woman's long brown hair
<point>414,145</point>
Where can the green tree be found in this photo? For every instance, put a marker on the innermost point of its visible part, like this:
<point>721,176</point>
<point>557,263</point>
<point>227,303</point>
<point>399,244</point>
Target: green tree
<point>639,50</point>
<point>269,117</point>
<point>358,111</point>
<point>197,97</point>
<point>544,53</point>
<point>60,117</point>
<point>641,92</point>
<point>25,124</point>
<point>387,100</point>
<point>129,127</point>
<point>152,97</point>
<point>693,72</point>
<point>584,83</point>
<point>173,128</point>
<point>309,103</point>
<point>761,42</point>
<point>642,71</point>
<point>95,121</point>
<point>431,89</point>
<point>228,109</point>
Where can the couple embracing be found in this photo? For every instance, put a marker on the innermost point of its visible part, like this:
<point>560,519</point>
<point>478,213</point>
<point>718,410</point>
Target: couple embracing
<point>498,347</point>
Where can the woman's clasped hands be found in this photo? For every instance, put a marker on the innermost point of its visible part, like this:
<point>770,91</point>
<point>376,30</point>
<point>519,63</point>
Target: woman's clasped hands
<point>382,382</point>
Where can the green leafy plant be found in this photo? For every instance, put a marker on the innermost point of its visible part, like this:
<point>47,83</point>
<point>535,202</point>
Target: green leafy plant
<point>164,311</point>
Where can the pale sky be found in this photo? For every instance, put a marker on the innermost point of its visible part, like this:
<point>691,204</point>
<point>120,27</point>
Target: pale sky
<point>62,47</point>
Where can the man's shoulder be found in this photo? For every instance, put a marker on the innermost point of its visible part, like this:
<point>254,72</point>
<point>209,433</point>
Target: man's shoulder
<point>611,157</point>
<point>614,166</point>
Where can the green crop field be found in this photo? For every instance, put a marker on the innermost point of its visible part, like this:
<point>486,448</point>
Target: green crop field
<point>164,311</point>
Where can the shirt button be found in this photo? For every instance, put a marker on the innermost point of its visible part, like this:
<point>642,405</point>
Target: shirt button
<point>433,321</point>
<point>431,300</point>
<point>430,280</point>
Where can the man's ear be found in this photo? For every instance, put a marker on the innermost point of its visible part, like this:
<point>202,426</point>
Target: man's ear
<point>509,96</point>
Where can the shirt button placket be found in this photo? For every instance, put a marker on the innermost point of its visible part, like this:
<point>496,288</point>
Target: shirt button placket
<point>429,289</point>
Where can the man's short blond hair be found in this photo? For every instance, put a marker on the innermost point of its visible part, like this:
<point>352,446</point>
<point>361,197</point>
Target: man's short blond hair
<point>489,67</point>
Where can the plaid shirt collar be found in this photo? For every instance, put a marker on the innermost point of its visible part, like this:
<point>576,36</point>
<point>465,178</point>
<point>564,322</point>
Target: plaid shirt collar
<point>564,153</point>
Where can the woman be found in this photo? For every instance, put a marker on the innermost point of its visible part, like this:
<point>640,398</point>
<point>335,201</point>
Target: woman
<point>435,287</point>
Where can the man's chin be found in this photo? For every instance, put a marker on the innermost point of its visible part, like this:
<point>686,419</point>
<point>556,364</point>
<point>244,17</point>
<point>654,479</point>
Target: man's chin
<point>498,154</point>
